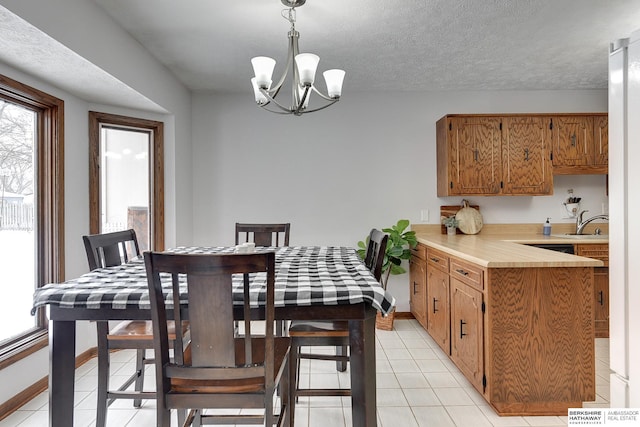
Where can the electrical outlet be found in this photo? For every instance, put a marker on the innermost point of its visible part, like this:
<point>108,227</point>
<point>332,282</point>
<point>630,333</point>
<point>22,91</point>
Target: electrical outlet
<point>424,215</point>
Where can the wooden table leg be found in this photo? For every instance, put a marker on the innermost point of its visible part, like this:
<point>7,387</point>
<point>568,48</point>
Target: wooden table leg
<point>62,344</point>
<point>363,370</point>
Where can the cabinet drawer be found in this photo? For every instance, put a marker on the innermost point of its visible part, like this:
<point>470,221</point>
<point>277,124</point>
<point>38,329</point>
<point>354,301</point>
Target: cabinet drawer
<point>595,251</point>
<point>466,272</point>
<point>438,259</point>
<point>420,251</point>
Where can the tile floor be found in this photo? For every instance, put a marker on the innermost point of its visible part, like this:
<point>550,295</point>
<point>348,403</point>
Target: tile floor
<point>417,386</point>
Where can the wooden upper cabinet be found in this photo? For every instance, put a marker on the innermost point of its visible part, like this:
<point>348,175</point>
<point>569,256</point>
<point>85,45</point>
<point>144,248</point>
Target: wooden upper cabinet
<point>517,154</point>
<point>469,160</point>
<point>493,155</point>
<point>580,144</point>
<point>526,156</point>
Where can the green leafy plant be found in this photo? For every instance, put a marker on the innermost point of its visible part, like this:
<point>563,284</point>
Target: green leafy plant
<point>450,221</point>
<point>398,248</point>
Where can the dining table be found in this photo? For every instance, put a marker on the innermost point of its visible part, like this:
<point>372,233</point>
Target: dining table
<point>311,283</point>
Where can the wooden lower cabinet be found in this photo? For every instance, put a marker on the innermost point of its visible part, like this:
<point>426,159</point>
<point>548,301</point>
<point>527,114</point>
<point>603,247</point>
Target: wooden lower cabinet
<point>522,336</point>
<point>467,332</point>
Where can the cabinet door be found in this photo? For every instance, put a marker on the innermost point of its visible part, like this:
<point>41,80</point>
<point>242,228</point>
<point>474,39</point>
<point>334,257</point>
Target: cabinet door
<point>601,141</point>
<point>572,140</point>
<point>438,307</point>
<point>526,156</point>
<point>467,332</point>
<point>600,285</point>
<point>601,311</point>
<point>418,290</point>
<point>474,155</point>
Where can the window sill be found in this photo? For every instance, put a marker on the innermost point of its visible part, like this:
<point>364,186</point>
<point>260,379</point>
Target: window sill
<point>23,348</point>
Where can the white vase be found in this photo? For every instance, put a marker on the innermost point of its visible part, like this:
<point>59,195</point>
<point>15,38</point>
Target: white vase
<point>451,230</point>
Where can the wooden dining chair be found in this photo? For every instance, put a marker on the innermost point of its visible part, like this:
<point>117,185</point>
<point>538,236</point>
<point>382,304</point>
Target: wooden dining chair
<point>108,250</point>
<point>218,370</point>
<point>263,234</point>
<point>331,333</point>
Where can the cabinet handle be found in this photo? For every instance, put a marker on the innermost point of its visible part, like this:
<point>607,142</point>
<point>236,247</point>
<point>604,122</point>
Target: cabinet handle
<point>475,155</point>
<point>462,323</point>
<point>573,140</point>
<point>601,298</point>
<point>526,154</point>
<point>414,288</point>
<point>434,259</point>
<point>461,271</point>
<point>434,305</point>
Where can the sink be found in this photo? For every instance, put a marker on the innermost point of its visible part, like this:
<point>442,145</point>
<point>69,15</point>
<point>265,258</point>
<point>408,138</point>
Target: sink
<point>581,236</point>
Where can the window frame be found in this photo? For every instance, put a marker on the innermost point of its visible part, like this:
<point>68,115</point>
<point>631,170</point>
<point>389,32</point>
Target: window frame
<point>49,220</point>
<point>156,170</point>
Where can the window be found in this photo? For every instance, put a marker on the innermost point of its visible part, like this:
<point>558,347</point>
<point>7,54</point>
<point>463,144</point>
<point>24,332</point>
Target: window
<point>126,177</point>
<point>31,211</point>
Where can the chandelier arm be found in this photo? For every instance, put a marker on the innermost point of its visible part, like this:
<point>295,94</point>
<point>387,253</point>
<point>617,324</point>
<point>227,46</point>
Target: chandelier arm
<point>264,107</point>
<point>272,99</point>
<point>333,101</point>
<point>300,104</point>
<point>328,98</point>
<point>294,50</point>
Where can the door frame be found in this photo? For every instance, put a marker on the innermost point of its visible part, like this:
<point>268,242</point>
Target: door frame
<point>156,169</point>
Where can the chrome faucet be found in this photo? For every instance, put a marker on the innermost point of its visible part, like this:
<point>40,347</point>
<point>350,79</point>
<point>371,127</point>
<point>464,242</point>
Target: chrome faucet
<point>580,224</point>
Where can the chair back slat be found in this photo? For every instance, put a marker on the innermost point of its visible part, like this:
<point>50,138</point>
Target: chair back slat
<point>210,302</point>
<point>376,250</point>
<point>110,249</point>
<point>263,234</point>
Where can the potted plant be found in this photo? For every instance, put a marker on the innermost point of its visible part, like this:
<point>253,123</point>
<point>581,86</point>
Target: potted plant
<point>398,248</point>
<point>451,223</point>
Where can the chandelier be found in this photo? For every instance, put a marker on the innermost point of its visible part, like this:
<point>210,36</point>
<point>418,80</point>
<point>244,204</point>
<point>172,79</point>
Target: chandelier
<point>303,70</point>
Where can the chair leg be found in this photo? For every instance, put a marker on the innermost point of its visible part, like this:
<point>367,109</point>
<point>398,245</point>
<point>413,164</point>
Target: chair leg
<point>197,418</point>
<point>294,370</point>
<point>103,373</point>
<point>163,418</point>
<point>182,416</point>
<point>341,365</point>
<point>287,384</point>
<point>140,356</point>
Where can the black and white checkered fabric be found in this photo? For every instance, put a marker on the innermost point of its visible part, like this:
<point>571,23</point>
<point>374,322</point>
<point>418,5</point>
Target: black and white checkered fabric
<point>307,275</point>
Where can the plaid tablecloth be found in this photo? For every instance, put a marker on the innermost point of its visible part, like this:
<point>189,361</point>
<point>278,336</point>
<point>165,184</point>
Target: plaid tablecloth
<point>305,275</point>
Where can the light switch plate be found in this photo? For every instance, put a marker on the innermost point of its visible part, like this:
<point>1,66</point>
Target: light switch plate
<point>424,215</point>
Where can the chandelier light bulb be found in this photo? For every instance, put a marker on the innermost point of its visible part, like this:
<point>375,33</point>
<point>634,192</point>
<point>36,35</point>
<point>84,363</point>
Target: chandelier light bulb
<point>334,79</point>
<point>259,96</point>
<point>307,64</point>
<point>263,69</point>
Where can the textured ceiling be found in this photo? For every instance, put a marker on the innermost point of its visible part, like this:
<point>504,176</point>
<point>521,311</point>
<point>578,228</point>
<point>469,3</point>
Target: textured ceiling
<point>388,44</point>
<point>384,45</point>
<point>28,49</point>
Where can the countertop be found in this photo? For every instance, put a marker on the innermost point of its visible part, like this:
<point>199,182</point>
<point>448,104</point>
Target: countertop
<point>505,248</point>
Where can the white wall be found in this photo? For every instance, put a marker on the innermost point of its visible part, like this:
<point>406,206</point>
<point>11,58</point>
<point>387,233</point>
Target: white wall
<point>91,34</point>
<point>365,162</point>
<point>86,29</point>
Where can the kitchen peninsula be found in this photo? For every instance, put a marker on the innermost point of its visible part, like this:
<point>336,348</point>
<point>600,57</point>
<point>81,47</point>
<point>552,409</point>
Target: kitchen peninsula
<point>517,320</point>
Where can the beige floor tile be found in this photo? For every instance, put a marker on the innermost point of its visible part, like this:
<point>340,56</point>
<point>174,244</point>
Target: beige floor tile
<point>418,385</point>
<point>393,416</point>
